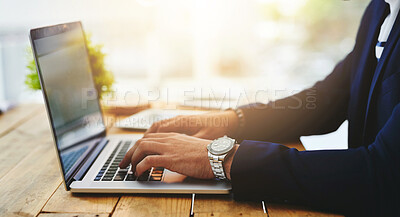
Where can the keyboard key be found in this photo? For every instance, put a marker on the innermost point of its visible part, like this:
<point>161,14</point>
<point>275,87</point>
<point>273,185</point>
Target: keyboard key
<point>119,178</point>
<point>123,170</point>
<point>155,178</point>
<point>144,176</point>
<point>107,179</point>
<point>112,165</point>
<point>130,177</point>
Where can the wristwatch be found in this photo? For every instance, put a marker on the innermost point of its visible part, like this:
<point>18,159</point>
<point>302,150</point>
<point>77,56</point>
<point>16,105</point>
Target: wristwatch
<point>217,151</point>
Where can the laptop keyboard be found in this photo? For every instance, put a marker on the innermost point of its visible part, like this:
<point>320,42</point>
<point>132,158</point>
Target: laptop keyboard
<point>70,158</point>
<point>111,172</point>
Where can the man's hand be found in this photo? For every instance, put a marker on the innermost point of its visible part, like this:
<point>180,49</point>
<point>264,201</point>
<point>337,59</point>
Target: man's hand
<point>180,153</point>
<point>207,126</point>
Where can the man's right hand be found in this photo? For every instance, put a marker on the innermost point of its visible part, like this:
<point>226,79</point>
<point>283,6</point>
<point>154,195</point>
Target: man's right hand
<point>207,126</point>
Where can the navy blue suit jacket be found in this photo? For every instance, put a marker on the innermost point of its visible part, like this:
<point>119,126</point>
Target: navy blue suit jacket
<point>363,180</point>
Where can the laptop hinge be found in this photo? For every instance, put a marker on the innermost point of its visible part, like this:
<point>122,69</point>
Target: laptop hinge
<point>87,163</point>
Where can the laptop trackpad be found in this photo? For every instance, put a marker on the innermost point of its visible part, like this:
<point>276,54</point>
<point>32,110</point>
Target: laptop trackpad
<point>173,177</point>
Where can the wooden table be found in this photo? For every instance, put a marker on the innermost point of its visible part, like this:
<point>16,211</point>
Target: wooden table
<point>31,184</point>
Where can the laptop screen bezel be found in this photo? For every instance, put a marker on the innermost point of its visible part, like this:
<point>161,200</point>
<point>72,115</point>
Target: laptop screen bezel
<point>47,31</point>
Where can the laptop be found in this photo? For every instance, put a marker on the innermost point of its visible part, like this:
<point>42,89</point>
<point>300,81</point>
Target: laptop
<point>87,156</point>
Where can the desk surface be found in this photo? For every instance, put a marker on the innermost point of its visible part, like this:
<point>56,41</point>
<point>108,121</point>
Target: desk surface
<point>31,184</point>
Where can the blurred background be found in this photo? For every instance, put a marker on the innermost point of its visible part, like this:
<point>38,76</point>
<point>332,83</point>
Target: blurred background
<point>174,48</point>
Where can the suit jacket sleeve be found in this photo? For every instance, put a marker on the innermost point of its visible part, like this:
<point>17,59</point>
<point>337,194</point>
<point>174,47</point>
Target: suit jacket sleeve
<point>362,181</point>
<point>317,110</point>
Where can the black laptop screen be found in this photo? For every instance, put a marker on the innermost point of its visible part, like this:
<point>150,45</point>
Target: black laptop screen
<point>70,94</point>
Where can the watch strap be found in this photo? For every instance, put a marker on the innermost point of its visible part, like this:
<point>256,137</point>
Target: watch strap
<point>216,165</point>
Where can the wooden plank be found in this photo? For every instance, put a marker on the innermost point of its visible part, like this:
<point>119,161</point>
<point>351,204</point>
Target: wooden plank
<point>29,173</point>
<point>227,214</point>
<point>63,201</point>
<point>17,144</point>
<point>283,210</point>
<point>224,205</point>
<point>16,116</point>
<point>26,188</point>
<point>72,215</point>
<point>153,205</point>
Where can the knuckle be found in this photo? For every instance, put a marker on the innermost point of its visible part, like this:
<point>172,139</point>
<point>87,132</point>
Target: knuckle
<point>147,161</point>
<point>139,148</point>
<point>154,127</point>
<point>144,146</point>
<point>139,142</point>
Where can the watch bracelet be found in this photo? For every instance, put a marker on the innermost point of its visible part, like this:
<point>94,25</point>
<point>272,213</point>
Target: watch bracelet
<point>217,166</point>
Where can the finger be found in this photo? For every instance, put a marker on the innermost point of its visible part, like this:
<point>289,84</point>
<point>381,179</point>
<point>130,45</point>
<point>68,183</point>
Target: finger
<point>152,161</point>
<point>127,159</point>
<point>154,127</point>
<point>175,124</point>
<point>146,149</point>
<point>168,125</point>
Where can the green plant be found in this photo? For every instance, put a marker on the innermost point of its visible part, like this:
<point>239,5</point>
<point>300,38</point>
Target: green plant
<point>103,78</point>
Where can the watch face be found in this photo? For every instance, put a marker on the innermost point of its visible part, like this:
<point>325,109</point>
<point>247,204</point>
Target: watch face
<point>221,146</point>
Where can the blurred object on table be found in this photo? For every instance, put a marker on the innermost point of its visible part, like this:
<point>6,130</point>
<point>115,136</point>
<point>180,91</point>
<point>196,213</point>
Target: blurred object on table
<point>124,110</point>
<point>5,106</point>
<point>143,120</point>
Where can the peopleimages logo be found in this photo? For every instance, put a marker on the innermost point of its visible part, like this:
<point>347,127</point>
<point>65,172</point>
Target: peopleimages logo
<point>205,98</point>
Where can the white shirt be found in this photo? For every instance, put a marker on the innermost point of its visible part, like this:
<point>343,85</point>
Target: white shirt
<point>386,27</point>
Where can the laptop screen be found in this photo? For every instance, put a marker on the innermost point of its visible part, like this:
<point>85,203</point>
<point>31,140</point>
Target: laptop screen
<point>69,91</point>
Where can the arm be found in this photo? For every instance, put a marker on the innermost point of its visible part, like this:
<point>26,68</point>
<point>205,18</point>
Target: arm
<point>317,110</point>
<point>363,181</point>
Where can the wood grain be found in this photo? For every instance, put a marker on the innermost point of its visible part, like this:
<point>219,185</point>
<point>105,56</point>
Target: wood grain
<point>64,201</point>
<point>72,215</point>
<point>17,144</point>
<point>224,205</point>
<point>27,187</point>
<point>16,116</point>
<point>283,210</point>
<point>153,205</point>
